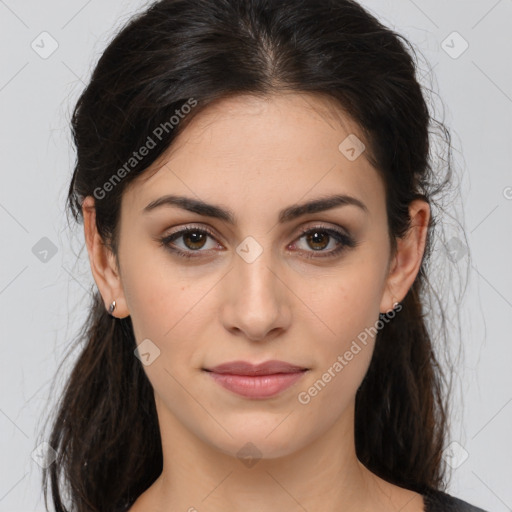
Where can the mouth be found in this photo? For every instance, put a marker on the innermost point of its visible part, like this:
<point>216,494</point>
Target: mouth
<point>259,381</point>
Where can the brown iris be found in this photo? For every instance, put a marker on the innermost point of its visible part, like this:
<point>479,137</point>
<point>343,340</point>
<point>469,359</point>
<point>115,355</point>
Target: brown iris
<point>197,238</point>
<point>316,237</point>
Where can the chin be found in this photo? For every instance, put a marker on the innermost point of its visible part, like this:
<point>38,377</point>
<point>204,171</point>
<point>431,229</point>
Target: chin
<point>253,441</point>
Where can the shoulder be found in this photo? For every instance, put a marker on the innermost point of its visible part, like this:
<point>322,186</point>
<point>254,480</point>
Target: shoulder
<point>439,501</point>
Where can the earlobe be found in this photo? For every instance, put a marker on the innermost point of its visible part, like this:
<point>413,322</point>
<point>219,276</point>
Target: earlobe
<point>408,256</point>
<point>103,263</point>
<point>112,307</point>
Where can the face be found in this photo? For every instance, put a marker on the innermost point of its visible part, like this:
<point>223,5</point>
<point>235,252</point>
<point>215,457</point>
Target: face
<point>266,286</point>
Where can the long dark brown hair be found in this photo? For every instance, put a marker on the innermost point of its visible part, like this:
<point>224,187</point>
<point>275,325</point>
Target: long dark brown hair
<point>105,429</point>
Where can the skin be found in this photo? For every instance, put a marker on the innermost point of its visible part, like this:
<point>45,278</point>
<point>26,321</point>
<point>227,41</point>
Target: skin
<point>257,156</point>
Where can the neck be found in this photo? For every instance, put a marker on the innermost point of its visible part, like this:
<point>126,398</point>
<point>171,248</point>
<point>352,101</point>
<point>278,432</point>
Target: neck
<point>322,475</point>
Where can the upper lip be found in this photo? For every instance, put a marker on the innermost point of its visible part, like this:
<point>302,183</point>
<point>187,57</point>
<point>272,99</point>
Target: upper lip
<point>266,368</point>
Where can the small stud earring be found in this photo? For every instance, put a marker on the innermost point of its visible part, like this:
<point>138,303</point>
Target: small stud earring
<point>112,307</point>
<point>395,304</point>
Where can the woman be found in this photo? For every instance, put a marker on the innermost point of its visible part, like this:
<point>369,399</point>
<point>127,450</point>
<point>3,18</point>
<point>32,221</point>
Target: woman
<point>256,189</point>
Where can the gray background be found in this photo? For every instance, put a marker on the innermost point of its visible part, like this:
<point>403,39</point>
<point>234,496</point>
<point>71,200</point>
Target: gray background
<point>42,294</point>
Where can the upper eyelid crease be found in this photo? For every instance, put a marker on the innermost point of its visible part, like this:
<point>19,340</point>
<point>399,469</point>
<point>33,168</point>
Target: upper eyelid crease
<point>210,232</point>
<point>286,215</point>
<point>345,240</point>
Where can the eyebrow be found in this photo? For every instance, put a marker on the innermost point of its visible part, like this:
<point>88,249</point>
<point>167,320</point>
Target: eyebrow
<point>286,215</point>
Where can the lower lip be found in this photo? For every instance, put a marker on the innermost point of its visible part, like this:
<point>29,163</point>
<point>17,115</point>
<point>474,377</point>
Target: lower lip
<point>258,386</point>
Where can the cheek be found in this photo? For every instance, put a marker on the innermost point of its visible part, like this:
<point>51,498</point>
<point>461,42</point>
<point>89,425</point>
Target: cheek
<point>168,306</point>
<point>348,302</point>
<point>342,362</point>
<point>151,286</point>
<point>348,307</point>
<point>147,296</point>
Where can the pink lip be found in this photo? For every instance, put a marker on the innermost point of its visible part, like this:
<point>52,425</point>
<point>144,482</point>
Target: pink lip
<point>256,381</point>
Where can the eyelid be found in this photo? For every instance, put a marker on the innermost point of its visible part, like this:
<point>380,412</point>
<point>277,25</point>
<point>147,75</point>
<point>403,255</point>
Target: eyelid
<point>344,238</point>
<point>338,229</point>
<point>190,227</point>
<point>302,230</point>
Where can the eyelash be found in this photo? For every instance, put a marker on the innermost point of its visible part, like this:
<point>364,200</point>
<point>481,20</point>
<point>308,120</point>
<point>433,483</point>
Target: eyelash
<point>345,240</point>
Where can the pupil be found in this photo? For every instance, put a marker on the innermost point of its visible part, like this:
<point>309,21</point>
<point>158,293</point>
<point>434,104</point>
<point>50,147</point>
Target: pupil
<point>196,238</point>
<point>315,239</point>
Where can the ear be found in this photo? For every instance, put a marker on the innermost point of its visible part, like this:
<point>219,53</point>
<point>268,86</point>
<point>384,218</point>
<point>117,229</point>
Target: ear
<point>407,259</point>
<point>103,262</point>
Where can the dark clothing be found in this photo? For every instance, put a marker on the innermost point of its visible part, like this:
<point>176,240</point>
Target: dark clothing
<point>439,501</point>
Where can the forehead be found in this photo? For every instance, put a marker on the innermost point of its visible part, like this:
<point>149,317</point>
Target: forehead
<point>259,151</point>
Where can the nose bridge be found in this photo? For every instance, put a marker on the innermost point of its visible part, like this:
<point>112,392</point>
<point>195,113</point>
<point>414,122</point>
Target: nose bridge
<point>253,269</point>
<point>256,304</point>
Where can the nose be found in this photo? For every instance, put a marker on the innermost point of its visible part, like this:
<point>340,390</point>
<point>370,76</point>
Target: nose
<point>256,301</point>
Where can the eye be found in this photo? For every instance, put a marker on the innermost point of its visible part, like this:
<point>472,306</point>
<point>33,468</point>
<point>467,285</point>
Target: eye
<point>318,238</point>
<point>194,239</point>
